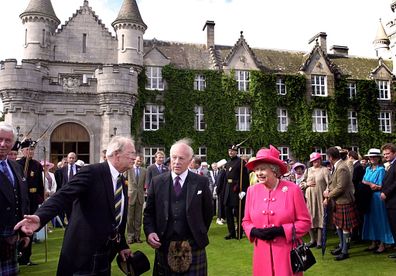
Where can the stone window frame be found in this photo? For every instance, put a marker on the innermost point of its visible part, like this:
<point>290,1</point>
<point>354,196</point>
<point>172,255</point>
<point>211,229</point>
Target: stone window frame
<point>202,153</point>
<point>351,88</point>
<point>199,82</point>
<point>199,120</point>
<point>352,121</point>
<point>284,153</point>
<point>242,78</point>
<point>149,154</point>
<point>154,78</point>
<point>385,121</point>
<point>281,86</point>
<point>383,90</point>
<point>283,119</point>
<point>153,117</point>
<point>320,120</point>
<point>243,116</point>
<point>319,85</point>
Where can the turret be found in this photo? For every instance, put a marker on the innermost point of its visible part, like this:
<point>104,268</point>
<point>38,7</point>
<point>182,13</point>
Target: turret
<point>381,42</point>
<point>40,22</point>
<point>130,28</point>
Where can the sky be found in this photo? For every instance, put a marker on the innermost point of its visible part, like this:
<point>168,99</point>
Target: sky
<point>277,24</point>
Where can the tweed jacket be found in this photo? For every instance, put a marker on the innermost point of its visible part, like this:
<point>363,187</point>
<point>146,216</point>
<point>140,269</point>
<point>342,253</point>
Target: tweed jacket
<point>341,188</point>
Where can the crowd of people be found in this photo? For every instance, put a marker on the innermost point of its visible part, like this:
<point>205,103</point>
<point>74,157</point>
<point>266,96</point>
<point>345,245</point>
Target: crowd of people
<point>268,201</point>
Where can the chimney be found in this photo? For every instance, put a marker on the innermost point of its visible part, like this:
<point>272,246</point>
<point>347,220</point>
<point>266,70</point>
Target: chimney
<point>209,25</point>
<point>341,51</point>
<point>319,39</point>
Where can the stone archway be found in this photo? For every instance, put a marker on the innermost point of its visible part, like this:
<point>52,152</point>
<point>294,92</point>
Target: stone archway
<point>69,137</point>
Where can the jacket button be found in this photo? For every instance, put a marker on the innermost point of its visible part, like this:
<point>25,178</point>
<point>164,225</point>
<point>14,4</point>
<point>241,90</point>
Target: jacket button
<point>8,208</point>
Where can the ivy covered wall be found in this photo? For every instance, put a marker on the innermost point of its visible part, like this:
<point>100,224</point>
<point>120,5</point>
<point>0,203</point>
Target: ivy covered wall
<point>221,96</point>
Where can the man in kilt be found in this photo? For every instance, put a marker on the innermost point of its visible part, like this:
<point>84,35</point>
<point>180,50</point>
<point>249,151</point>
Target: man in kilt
<point>14,203</point>
<point>341,191</point>
<point>177,216</point>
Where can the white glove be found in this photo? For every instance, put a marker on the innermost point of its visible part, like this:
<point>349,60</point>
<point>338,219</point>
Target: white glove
<point>242,195</point>
<point>214,194</point>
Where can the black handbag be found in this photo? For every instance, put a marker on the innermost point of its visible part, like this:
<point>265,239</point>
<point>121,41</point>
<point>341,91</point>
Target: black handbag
<point>301,257</point>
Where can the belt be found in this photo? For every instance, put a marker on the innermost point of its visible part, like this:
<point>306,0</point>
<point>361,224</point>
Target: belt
<point>32,190</point>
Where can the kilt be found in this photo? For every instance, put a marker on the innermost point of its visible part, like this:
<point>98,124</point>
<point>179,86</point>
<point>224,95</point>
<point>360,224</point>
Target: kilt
<point>198,265</point>
<point>345,216</point>
<point>8,256</point>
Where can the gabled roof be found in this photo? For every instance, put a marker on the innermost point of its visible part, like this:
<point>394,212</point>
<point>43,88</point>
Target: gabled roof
<point>85,9</point>
<point>129,12</point>
<point>317,50</point>
<point>42,8</point>
<point>381,64</point>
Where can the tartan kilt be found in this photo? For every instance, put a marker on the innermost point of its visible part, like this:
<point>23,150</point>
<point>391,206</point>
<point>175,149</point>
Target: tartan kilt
<point>345,216</point>
<point>9,267</point>
<point>8,258</point>
<point>198,267</point>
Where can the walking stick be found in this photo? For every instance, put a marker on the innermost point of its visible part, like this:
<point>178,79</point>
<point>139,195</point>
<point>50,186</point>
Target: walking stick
<point>240,202</point>
<point>46,226</point>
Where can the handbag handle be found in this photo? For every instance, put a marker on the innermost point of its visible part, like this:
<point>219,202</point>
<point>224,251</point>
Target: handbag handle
<point>294,237</point>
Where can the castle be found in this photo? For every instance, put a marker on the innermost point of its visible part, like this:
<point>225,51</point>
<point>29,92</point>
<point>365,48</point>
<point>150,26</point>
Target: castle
<point>78,85</point>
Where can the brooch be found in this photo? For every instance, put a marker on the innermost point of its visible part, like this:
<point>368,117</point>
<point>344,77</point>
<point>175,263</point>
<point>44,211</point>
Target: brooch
<point>284,189</point>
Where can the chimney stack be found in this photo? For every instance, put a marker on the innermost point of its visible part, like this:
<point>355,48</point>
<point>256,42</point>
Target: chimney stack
<point>319,39</point>
<point>209,25</point>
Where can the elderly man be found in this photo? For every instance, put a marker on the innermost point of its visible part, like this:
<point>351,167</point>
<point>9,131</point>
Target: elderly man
<point>13,202</point>
<point>177,216</point>
<point>96,231</point>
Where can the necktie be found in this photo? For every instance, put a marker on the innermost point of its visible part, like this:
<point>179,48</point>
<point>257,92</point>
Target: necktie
<point>49,179</point>
<point>118,199</point>
<point>176,186</point>
<point>71,173</point>
<point>160,168</point>
<point>137,175</point>
<point>4,170</point>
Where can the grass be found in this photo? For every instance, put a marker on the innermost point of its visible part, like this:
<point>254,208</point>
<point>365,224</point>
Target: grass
<point>232,258</point>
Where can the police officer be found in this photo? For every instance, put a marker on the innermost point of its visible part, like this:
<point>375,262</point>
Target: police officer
<point>233,194</point>
<point>33,172</point>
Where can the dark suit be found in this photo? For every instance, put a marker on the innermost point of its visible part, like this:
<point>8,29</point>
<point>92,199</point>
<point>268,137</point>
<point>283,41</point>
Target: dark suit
<point>152,171</point>
<point>158,217</point>
<point>14,204</point>
<point>92,224</point>
<point>389,189</point>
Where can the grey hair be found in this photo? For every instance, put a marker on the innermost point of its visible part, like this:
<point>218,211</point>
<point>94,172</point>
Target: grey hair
<point>117,144</point>
<point>8,128</point>
<point>272,167</point>
<point>184,141</point>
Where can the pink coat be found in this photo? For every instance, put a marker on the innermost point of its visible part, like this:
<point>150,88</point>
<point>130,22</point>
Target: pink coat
<point>281,207</point>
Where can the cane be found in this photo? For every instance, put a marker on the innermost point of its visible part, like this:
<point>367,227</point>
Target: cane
<point>46,226</point>
<point>240,203</point>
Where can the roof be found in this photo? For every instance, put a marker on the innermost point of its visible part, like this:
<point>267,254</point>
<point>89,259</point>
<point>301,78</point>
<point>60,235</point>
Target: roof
<point>40,7</point>
<point>129,12</point>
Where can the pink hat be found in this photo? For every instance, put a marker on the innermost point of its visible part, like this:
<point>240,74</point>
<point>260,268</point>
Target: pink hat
<point>47,163</point>
<point>314,156</point>
<point>270,156</point>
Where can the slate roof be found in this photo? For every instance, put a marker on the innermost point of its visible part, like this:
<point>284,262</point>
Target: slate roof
<point>129,12</point>
<point>40,7</point>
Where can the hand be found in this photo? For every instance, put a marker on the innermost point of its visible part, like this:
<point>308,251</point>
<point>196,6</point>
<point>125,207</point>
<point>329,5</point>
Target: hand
<point>311,183</point>
<point>383,196</point>
<point>29,224</point>
<point>125,253</point>
<point>326,193</point>
<point>241,195</point>
<point>24,241</point>
<point>325,202</point>
<point>154,241</point>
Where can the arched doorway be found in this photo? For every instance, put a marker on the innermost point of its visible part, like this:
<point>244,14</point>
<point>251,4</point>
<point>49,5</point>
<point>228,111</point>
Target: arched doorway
<point>69,137</point>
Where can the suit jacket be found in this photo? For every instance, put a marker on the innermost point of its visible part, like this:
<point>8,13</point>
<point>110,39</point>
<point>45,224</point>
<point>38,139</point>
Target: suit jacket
<point>152,171</point>
<point>35,183</point>
<point>199,209</point>
<point>62,177</point>
<point>136,190</point>
<point>340,184</point>
<point>363,193</point>
<point>92,223</point>
<point>8,206</point>
<point>389,187</point>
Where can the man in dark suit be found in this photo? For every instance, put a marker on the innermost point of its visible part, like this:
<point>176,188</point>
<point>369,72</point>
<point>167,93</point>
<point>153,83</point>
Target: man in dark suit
<point>388,193</point>
<point>157,168</point>
<point>14,202</point>
<point>136,178</point>
<point>96,231</point>
<point>177,216</point>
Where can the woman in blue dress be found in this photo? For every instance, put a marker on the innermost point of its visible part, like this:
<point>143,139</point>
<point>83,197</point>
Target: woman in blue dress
<point>376,226</point>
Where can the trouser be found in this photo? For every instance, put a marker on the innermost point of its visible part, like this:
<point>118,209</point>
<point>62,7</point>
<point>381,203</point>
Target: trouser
<point>231,213</point>
<point>134,221</point>
<point>392,221</point>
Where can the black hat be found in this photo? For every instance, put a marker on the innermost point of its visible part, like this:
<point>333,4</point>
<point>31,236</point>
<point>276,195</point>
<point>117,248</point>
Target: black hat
<point>135,265</point>
<point>16,146</point>
<point>233,147</point>
<point>28,143</point>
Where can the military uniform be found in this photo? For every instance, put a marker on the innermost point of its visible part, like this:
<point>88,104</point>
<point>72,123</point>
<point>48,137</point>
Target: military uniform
<point>231,193</point>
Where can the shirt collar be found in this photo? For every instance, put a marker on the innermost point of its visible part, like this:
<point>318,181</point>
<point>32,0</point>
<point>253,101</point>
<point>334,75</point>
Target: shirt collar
<point>182,176</point>
<point>113,171</point>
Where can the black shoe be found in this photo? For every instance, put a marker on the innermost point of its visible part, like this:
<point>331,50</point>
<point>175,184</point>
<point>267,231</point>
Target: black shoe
<point>341,257</point>
<point>311,244</point>
<point>318,246</point>
<point>230,237</point>
<point>336,251</point>
<point>392,256</point>
<point>29,263</point>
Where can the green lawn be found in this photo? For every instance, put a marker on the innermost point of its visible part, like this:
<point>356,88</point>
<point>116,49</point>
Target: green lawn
<point>233,257</point>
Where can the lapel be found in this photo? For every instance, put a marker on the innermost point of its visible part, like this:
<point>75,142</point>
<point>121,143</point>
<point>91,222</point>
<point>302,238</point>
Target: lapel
<point>389,172</point>
<point>6,187</point>
<point>165,186</point>
<point>191,188</point>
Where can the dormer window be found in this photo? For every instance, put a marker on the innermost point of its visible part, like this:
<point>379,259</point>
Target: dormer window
<point>243,79</point>
<point>319,85</point>
<point>383,90</point>
<point>280,86</point>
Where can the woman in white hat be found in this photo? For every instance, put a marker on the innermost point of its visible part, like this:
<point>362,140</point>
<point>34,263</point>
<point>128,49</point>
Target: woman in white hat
<point>376,225</point>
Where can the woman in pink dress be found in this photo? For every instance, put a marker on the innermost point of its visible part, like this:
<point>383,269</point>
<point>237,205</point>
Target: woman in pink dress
<point>273,206</point>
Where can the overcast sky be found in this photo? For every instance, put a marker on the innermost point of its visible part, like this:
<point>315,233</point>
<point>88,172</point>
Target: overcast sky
<point>277,24</point>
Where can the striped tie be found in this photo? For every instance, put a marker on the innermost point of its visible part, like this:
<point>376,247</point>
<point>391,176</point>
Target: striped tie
<point>118,199</point>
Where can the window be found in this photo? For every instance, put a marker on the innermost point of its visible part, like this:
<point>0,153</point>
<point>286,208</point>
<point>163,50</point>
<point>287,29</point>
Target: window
<point>283,120</point>
<point>139,44</point>
<point>154,78</point>
<point>199,83</point>
<point>242,78</point>
<point>322,152</point>
<point>280,86</point>
<point>319,120</point>
<point>284,153</point>
<point>383,90</point>
<point>245,152</point>
<point>385,122</point>
<point>25,36</point>
<point>153,117</point>
<point>202,153</point>
<point>351,87</point>
<point>199,122</point>
<point>243,119</point>
<point>355,148</point>
<point>43,38</point>
<point>319,85</point>
<point>122,42</point>
<point>148,154</point>
<point>84,44</point>
<point>352,122</point>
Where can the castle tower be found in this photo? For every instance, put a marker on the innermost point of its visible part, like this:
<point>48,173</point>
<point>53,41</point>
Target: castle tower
<point>40,22</point>
<point>130,28</point>
<point>381,42</point>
